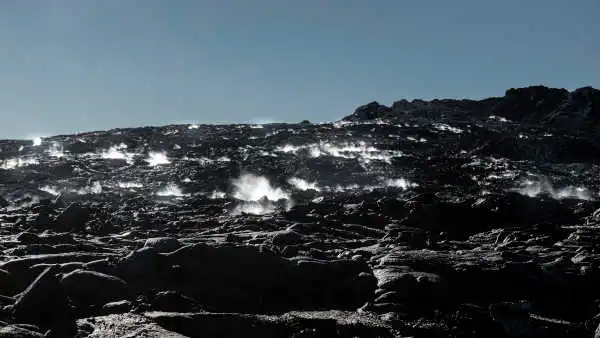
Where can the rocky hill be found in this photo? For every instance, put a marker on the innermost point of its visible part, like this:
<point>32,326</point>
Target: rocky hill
<point>551,107</point>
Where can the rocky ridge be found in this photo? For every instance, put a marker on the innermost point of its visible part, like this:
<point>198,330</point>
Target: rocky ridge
<point>442,218</point>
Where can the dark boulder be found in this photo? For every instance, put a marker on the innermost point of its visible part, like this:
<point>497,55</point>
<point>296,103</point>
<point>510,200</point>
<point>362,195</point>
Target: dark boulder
<point>73,218</point>
<point>287,238</point>
<point>3,202</point>
<point>90,288</point>
<point>44,303</point>
<point>145,267</point>
<point>173,301</point>
<point>28,238</point>
<point>6,282</point>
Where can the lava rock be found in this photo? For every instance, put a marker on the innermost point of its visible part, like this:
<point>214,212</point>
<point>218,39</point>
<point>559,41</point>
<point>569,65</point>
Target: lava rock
<point>173,301</point>
<point>73,218</point>
<point>47,239</point>
<point>530,103</point>
<point>163,244</point>
<point>21,264</point>
<point>90,288</point>
<point>3,202</point>
<point>423,215</point>
<point>44,303</point>
<point>287,238</point>
<point>144,266</point>
<point>244,279</point>
<point>28,238</point>
<point>17,331</point>
<point>579,111</point>
<point>291,324</point>
<point>369,111</point>
<point>105,266</point>
<point>122,325</point>
<point>5,281</point>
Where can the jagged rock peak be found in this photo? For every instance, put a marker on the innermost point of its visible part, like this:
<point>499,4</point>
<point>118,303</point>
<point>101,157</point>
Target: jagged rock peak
<point>535,92</point>
<point>369,111</point>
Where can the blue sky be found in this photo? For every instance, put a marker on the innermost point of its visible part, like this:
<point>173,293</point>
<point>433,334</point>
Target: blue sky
<point>80,65</point>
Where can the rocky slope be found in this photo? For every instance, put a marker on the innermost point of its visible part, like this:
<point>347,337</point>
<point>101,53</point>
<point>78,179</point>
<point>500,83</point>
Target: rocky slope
<point>443,218</point>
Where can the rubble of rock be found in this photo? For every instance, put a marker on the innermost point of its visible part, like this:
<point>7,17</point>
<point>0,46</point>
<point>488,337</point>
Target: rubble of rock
<point>443,218</point>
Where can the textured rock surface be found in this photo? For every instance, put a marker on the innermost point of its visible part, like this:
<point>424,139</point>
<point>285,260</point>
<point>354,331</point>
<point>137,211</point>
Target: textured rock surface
<point>122,325</point>
<point>89,288</point>
<point>442,218</point>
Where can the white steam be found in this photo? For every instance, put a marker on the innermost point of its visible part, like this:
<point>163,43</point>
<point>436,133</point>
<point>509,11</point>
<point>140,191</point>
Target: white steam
<point>37,141</point>
<point>543,186</point>
<point>13,163</point>
<point>360,151</point>
<point>499,118</point>
<point>255,208</point>
<point>170,190</point>
<point>95,188</point>
<point>250,187</point>
<point>215,195</point>
<point>303,185</point>
<point>50,189</point>
<point>257,195</point>
<point>157,158</point>
<point>401,183</point>
<point>56,150</point>
<point>117,153</point>
<point>129,185</point>
<point>446,127</point>
<point>204,161</point>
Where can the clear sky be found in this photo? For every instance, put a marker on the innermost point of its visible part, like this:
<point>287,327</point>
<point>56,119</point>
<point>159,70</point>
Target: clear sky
<point>80,65</point>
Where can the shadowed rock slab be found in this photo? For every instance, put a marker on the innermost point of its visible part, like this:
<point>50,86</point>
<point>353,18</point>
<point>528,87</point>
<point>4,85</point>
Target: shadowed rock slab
<point>23,263</point>
<point>243,278</point>
<point>44,303</point>
<point>90,288</point>
<point>73,218</point>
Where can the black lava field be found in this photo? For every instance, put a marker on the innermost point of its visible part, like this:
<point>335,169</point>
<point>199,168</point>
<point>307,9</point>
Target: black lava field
<point>442,218</point>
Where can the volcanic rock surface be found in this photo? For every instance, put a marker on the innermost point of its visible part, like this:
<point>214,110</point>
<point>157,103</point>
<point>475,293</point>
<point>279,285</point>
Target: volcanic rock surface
<point>443,218</point>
